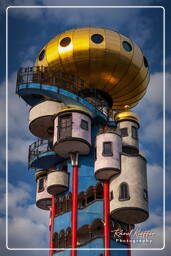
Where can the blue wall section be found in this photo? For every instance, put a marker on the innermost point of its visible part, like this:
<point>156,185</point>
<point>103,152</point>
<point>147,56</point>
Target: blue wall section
<point>85,216</point>
<point>97,243</point>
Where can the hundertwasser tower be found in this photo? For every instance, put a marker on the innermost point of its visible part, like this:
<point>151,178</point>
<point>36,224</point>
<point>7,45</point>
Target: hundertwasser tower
<point>89,171</point>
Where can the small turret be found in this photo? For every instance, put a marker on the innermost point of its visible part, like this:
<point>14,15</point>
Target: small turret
<point>72,132</point>
<point>128,123</point>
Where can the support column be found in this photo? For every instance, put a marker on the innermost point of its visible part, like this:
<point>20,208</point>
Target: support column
<point>106,217</point>
<point>129,242</point>
<point>52,215</point>
<point>74,162</point>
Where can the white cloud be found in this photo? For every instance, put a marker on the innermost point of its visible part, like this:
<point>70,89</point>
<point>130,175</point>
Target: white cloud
<point>27,225</point>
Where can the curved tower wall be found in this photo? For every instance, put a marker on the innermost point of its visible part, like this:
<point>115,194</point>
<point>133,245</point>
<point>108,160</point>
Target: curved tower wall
<point>132,208</point>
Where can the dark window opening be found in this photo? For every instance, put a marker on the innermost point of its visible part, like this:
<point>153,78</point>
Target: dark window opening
<point>124,132</point>
<point>107,149</point>
<point>111,195</point>
<point>145,195</point>
<point>65,126</point>
<point>84,124</point>
<point>90,199</point>
<point>42,55</point>
<point>95,153</point>
<point>127,46</point>
<point>41,185</point>
<point>97,38</point>
<point>124,192</point>
<point>134,133</point>
<point>145,62</point>
<point>65,41</point>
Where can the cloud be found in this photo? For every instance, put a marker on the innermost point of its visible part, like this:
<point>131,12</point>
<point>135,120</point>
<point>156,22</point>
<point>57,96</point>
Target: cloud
<point>27,225</point>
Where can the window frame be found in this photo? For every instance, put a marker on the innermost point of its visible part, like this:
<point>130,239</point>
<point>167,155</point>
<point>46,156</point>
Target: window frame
<point>124,196</point>
<point>145,195</point>
<point>104,153</point>
<point>83,121</point>
<point>134,132</point>
<point>41,179</point>
<point>124,129</point>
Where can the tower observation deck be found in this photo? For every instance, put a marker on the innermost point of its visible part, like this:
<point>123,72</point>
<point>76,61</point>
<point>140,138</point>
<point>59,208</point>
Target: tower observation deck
<point>90,174</point>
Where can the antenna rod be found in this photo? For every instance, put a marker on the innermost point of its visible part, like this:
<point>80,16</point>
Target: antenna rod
<point>106,217</point>
<point>74,162</point>
<point>51,227</point>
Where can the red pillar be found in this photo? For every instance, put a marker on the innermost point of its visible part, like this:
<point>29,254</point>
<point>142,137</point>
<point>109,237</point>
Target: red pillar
<point>74,209</point>
<point>52,215</point>
<point>106,217</point>
<point>129,242</point>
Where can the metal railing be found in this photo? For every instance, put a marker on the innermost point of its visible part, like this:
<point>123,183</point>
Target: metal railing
<point>42,75</point>
<point>69,82</point>
<point>38,147</point>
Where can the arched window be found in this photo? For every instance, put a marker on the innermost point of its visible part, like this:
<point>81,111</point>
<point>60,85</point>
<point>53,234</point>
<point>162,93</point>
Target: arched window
<point>62,239</point>
<point>124,191</point>
<point>99,191</point>
<point>41,184</point>
<point>68,235</point>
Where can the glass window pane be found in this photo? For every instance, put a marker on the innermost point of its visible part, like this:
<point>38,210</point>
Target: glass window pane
<point>107,149</point>
<point>124,132</point>
<point>134,132</point>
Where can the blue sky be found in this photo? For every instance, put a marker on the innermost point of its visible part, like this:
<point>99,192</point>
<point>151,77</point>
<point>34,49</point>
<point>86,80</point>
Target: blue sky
<point>29,31</point>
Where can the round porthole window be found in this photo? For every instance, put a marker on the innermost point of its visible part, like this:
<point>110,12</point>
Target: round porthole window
<point>65,41</point>
<point>145,62</point>
<point>42,55</point>
<point>127,46</point>
<point>97,38</point>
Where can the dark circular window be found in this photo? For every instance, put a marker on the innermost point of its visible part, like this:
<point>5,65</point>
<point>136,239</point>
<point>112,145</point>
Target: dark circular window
<point>127,46</point>
<point>42,55</point>
<point>65,41</point>
<point>145,62</point>
<point>97,38</point>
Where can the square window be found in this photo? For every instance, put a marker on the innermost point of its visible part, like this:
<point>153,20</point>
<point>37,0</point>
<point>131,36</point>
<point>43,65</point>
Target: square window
<point>84,124</point>
<point>124,132</point>
<point>107,149</point>
<point>134,133</point>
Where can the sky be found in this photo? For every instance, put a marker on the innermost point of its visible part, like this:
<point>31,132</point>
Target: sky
<point>28,31</point>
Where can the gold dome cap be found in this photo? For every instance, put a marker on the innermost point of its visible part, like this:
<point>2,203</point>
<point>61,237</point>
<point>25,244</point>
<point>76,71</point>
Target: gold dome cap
<point>105,59</point>
<point>126,115</point>
<point>40,173</point>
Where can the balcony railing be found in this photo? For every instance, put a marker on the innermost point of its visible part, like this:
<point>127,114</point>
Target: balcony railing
<point>43,75</point>
<point>69,82</point>
<point>36,148</point>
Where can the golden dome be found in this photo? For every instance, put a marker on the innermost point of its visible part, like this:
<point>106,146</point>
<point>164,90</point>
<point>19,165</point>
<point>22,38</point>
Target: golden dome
<point>40,173</point>
<point>126,115</point>
<point>103,58</point>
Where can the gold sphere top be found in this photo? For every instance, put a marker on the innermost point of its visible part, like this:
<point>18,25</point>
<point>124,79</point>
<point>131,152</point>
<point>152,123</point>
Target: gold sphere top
<point>40,173</point>
<point>105,59</point>
<point>126,115</point>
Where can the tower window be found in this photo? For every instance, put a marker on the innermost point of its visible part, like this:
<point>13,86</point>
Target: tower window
<point>84,124</point>
<point>97,38</point>
<point>145,62</point>
<point>145,194</point>
<point>111,195</point>
<point>124,132</point>
<point>134,133</point>
<point>41,185</point>
<point>95,153</point>
<point>127,46</point>
<point>107,149</point>
<point>124,192</point>
<point>65,41</point>
<point>42,55</point>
